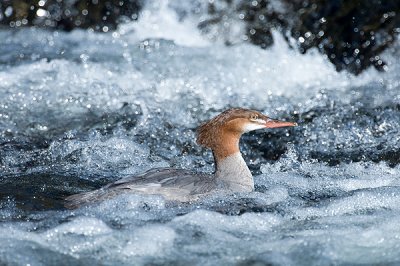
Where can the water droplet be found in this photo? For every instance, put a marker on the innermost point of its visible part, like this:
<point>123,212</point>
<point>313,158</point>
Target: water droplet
<point>41,12</point>
<point>8,12</point>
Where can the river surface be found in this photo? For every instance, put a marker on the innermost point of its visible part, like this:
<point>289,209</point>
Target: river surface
<point>79,110</point>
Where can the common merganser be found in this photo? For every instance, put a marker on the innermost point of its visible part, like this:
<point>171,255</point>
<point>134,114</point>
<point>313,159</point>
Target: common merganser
<point>221,134</point>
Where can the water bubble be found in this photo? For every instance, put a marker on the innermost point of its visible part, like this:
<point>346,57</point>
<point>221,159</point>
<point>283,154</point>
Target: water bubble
<point>41,12</point>
<point>8,11</point>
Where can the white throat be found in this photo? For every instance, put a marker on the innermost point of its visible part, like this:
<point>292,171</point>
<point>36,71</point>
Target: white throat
<point>234,174</point>
<point>252,126</point>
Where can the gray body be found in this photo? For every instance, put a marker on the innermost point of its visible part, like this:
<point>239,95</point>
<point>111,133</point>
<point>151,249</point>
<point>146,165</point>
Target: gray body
<point>232,174</point>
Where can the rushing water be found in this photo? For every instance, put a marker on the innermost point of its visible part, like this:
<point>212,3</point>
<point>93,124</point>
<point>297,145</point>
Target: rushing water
<point>81,109</point>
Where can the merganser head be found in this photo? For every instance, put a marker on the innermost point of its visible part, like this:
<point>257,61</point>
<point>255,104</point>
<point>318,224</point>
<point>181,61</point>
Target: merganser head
<point>231,124</point>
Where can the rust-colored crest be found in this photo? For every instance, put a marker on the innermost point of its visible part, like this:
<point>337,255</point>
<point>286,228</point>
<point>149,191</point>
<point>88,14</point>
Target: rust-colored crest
<point>209,132</point>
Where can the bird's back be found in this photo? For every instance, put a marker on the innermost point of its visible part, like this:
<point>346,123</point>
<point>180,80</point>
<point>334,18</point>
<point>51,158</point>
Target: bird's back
<point>173,184</point>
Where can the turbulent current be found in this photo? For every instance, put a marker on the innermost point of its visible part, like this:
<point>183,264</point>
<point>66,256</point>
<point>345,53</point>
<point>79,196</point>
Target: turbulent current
<point>82,109</point>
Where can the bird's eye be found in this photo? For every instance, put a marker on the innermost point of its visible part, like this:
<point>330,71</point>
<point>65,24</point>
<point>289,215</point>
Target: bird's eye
<point>254,117</point>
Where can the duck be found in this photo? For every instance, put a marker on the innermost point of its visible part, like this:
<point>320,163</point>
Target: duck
<point>221,134</point>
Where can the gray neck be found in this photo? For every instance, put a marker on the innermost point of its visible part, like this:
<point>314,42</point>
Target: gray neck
<point>234,174</point>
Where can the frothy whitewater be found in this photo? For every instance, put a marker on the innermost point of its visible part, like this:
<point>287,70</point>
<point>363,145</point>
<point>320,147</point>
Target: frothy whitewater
<point>81,109</point>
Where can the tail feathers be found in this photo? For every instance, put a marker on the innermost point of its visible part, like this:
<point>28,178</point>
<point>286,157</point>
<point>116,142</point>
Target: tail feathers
<point>81,199</point>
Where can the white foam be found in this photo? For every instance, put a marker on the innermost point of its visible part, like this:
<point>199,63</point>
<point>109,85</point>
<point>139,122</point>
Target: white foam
<point>150,241</point>
<point>157,20</point>
<point>85,226</point>
<point>212,221</point>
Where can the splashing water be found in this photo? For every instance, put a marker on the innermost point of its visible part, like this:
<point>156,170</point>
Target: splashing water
<point>81,109</point>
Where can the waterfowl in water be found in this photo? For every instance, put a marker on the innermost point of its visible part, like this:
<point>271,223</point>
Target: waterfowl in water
<point>221,134</point>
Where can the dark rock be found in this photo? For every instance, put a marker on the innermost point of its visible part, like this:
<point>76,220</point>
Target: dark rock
<point>67,15</point>
<point>351,33</point>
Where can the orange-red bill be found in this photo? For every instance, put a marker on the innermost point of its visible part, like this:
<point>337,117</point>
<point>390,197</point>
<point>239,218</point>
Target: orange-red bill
<point>276,123</point>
